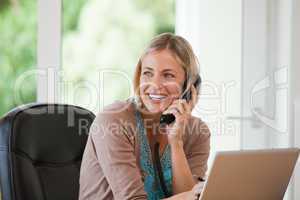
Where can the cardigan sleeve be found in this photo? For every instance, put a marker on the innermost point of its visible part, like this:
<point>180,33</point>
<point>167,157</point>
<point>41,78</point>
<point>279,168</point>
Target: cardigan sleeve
<point>198,153</point>
<point>115,154</point>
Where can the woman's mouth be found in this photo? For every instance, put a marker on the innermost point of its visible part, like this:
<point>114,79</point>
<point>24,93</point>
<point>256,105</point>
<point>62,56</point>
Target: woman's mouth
<point>157,97</point>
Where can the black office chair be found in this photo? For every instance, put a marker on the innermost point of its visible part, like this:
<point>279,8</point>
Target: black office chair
<point>41,147</point>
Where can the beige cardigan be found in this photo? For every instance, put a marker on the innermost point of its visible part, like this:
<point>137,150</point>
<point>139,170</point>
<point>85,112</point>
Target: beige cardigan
<point>110,166</point>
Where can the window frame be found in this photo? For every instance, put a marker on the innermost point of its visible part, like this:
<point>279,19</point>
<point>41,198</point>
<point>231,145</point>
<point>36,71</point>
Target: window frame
<point>49,50</point>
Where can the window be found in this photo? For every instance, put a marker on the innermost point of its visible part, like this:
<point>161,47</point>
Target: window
<point>17,53</point>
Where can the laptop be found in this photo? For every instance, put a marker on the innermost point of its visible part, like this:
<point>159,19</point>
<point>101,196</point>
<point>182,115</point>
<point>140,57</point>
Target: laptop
<point>250,174</point>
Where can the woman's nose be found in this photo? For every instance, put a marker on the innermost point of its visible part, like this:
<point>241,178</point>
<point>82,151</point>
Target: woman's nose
<point>157,81</point>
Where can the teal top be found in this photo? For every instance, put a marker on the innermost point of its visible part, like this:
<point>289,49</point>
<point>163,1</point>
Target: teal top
<point>150,176</point>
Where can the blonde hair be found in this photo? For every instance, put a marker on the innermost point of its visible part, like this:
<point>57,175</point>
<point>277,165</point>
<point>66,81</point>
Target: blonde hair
<point>182,52</point>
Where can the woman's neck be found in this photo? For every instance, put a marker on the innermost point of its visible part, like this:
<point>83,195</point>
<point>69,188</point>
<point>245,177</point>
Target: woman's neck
<point>151,120</point>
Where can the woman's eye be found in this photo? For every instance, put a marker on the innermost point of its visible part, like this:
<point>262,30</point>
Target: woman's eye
<point>147,73</point>
<point>169,76</point>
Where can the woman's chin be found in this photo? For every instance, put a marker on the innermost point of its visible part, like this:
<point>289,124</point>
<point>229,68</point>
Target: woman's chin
<point>154,109</point>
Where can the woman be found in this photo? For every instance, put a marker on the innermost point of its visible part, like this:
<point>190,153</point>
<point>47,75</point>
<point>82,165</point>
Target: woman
<point>118,162</point>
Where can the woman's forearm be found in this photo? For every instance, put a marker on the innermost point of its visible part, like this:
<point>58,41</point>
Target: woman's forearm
<point>182,176</point>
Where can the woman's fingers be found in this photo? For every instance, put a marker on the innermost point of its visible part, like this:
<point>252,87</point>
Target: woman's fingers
<point>186,106</point>
<point>183,106</point>
<point>180,106</point>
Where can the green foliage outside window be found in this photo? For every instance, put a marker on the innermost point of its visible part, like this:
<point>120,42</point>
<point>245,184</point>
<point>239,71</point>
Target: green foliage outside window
<point>96,34</point>
<point>18,30</point>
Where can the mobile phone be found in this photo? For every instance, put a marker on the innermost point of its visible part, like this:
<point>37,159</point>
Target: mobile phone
<point>170,118</point>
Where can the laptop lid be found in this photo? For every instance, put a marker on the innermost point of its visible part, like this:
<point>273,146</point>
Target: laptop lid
<point>250,175</point>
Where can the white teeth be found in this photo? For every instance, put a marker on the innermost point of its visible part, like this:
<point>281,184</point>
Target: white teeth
<point>157,97</point>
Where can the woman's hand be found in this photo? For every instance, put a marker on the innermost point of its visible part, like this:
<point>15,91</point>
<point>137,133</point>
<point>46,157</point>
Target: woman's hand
<point>193,194</point>
<point>196,191</point>
<point>181,109</point>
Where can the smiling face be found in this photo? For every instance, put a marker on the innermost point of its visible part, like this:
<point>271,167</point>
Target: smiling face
<point>161,80</point>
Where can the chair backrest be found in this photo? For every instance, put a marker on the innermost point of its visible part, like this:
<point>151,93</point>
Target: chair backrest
<point>41,147</point>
